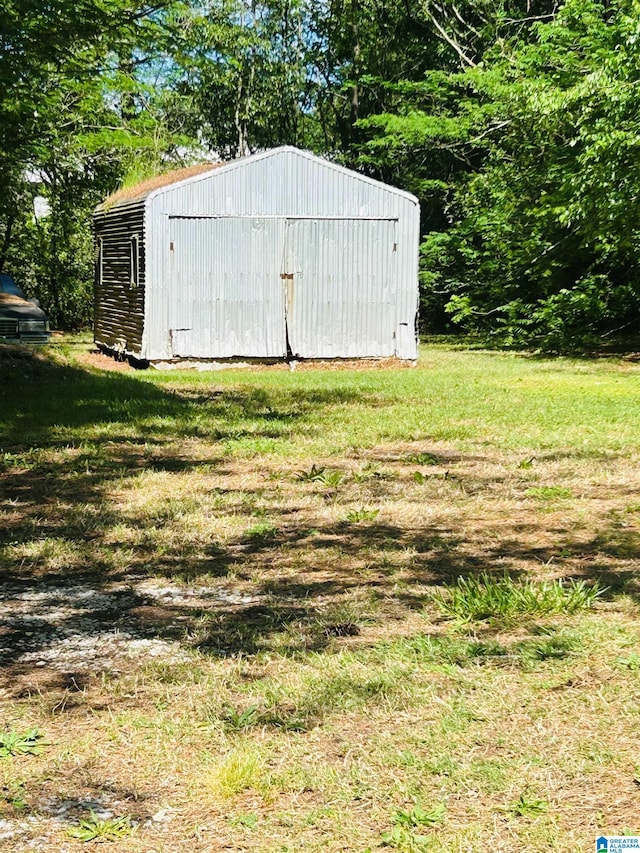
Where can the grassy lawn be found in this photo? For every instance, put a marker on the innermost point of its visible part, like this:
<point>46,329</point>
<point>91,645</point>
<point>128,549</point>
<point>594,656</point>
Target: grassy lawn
<point>321,610</point>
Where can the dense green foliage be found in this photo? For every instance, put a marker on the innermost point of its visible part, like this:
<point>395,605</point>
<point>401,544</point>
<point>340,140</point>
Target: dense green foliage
<point>514,121</point>
<point>75,113</point>
<point>542,238</point>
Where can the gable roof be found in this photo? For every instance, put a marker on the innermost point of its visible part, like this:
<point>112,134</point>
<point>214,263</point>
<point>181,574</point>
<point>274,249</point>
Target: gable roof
<point>151,186</point>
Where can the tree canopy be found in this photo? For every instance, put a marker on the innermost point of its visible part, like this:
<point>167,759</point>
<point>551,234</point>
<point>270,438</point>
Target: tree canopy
<point>514,121</point>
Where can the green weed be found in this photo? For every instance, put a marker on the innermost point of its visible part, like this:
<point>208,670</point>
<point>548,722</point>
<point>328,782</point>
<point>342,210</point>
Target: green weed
<point>549,493</point>
<point>348,684</point>
<point>362,514</point>
<point>486,649</point>
<point>528,806</point>
<point>404,835</point>
<point>320,474</point>
<point>332,479</point>
<point>21,743</point>
<point>365,473</point>
<point>94,828</point>
<point>14,795</point>
<point>631,661</point>
<point>237,720</point>
<point>238,771</point>
<point>556,646</point>
<point>485,597</point>
<point>441,651</point>
<point>423,459</point>
<point>248,821</point>
<point>527,463</point>
<point>418,816</point>
<point>262,532</point>
<point>315,473</point>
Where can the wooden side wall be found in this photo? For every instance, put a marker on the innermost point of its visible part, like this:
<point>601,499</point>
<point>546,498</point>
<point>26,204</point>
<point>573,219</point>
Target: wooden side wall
<point>119,307</point>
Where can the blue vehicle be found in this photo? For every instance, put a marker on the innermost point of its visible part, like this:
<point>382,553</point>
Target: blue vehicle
<point>22,321</point>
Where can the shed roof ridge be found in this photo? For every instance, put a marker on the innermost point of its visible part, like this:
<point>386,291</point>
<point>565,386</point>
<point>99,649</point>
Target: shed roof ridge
<point>150,187</point>
<point>308,155</point>
<point>353,173</point>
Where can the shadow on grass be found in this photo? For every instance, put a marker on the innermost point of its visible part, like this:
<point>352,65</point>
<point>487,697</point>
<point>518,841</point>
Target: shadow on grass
<point>71,437</point>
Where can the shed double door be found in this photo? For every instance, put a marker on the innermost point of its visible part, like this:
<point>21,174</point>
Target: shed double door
<point>275,286</point>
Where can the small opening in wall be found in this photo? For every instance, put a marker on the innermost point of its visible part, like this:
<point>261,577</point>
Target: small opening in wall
<point>134,261</point>
<point>99,256</point>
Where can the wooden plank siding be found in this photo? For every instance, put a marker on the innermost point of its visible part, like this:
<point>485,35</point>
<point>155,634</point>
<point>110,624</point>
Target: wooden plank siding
<point>119,305</point>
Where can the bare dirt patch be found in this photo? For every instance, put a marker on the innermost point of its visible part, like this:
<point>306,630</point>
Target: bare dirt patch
<point>101,361</point>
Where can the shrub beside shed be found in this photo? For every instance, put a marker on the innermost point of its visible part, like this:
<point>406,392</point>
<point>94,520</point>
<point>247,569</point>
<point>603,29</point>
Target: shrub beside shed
<point>281,254</point>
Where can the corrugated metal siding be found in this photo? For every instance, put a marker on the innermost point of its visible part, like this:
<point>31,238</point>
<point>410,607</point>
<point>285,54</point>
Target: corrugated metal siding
<point>281,185</point>
<point>342,294</point>
<point>227,296</point>
<point>283,182</point>
<point>119,308</point>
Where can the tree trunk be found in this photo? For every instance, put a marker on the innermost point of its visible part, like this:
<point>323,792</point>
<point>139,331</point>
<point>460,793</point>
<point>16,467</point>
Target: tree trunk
<point>355,91</point>
<point>6,242</point>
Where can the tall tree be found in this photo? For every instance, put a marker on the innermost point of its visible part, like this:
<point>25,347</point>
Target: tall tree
<point>72,111</point>
<point>545,241</point>
<point>243,69</point>
<point>529,151</point>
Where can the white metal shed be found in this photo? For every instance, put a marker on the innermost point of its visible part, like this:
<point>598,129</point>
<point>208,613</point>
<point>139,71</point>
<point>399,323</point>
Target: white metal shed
<point>281,254</point>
